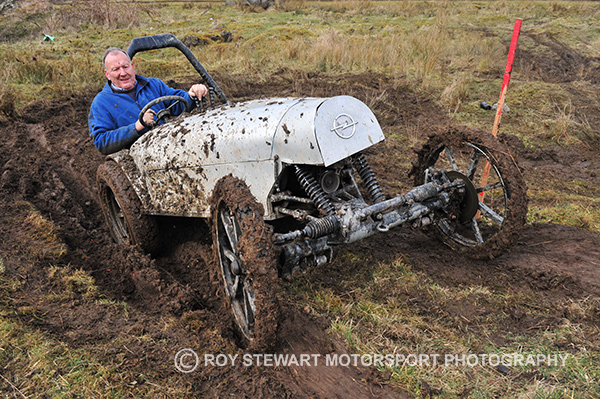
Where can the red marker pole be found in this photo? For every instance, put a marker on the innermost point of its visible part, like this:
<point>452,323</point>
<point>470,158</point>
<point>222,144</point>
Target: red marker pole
<point>507,71</point>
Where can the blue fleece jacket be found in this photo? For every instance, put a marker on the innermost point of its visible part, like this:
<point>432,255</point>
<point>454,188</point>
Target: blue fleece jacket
<point>112,115</point>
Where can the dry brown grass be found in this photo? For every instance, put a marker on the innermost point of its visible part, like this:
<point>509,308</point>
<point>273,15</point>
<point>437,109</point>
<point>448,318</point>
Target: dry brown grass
<point>104,13</point>
<point>397,310</point>
<point>8,98</point>
<point>72,284</point>
<point>417,55</point>
<point>456,93</point>
<point>42,239</point>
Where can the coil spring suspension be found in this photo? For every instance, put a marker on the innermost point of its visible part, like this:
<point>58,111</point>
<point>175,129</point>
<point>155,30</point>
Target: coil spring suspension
<point>322,227</point>
<point>314,191</point>
<point>368,177</point>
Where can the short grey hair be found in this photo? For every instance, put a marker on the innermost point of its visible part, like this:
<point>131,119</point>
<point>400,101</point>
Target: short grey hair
<point>111,50</point>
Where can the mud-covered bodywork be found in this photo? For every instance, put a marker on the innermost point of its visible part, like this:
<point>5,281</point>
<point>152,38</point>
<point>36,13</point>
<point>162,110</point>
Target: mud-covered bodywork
<point>175,167</point>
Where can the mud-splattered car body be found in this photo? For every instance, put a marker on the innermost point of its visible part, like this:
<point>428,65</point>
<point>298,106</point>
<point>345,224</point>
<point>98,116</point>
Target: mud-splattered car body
<point>282,181</point>
<point>174,168</point>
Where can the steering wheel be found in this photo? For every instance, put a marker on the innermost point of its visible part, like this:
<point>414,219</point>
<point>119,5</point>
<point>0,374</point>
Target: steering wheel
<point>163,113</point>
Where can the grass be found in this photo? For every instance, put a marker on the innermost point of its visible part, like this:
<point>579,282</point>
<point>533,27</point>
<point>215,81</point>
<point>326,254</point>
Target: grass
<point>72,284</point>
<point>451,52</point>
<point>455,54</point>
<point>40,238</point>
<point>574,203</point>
<point>405,313</point>
<point>27,353</point>
<point>35,362</point>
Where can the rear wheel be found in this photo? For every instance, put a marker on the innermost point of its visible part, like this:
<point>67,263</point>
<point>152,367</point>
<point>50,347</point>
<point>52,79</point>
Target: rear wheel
<point>245,263</point>
<point>122,210</point>
<point>489,215</point>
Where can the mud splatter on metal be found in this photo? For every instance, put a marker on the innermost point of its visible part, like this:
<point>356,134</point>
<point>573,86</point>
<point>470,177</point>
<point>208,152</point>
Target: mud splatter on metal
<point>176,165</point>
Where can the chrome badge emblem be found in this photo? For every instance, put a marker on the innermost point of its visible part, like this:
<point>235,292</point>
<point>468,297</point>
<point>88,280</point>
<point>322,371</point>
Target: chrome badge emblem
<point>344,126</point>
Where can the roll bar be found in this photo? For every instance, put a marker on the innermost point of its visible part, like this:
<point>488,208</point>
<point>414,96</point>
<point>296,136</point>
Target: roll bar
<point>169,40</point>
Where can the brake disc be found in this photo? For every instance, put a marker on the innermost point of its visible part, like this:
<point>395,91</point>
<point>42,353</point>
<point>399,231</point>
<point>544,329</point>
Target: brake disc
<point>470,201</point>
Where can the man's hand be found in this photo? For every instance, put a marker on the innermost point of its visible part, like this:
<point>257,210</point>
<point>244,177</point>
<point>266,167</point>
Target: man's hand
<point>198,91</point>
<point>148,118</point>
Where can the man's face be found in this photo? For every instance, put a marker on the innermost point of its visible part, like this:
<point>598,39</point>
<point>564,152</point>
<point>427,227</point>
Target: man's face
<point>119,70</point>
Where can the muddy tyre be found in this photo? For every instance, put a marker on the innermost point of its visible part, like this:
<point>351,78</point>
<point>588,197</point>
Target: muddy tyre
<point>483,225</point>
<point>245,264</point>
<point>122,210</point>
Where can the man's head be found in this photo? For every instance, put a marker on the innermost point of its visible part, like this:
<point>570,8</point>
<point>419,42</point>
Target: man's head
<point>118,68</point>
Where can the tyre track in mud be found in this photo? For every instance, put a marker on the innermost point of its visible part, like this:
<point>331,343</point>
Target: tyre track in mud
<point>47,159</point>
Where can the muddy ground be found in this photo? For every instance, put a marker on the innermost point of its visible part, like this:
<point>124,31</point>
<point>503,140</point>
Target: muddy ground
<point>48,160</point>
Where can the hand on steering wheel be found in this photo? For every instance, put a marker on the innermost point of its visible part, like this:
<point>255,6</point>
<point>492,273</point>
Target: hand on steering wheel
<point>163,113</point>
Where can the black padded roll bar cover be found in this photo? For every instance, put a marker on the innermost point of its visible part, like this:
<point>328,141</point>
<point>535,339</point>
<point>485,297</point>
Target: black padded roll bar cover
<point>169,40</point>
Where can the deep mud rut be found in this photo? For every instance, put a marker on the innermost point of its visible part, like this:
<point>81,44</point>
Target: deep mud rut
<point>47,159</point>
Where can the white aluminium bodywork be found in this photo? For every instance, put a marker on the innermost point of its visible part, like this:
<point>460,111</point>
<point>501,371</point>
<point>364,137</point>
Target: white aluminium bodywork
<point>175,167</point>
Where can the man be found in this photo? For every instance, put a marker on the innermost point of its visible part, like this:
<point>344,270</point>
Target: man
<point>113,119</point>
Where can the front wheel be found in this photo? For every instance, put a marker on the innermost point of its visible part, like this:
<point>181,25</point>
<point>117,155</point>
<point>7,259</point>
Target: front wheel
<point>245,263</point>
<point>487,218</point>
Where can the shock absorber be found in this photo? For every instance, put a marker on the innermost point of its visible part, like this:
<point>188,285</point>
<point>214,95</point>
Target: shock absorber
<point>316,229</point>
<point>368,177</point>
<point>314,191</point>
<point>321,227</point>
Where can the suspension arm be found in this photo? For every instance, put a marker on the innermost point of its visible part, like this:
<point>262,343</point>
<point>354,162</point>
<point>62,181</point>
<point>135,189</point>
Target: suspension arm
<point>351,224</point>
<point>417,194</point>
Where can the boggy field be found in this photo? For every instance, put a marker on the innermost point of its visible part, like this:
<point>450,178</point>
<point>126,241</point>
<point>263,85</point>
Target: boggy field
<point>106,320</point>
<point>83,317</point>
